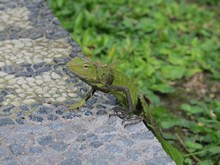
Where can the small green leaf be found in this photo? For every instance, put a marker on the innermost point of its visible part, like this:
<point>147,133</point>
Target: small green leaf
<point>173,72</point>
<point>214,149</point>
<point>206,162</point>
<point>163,88</point>
<point>193,145</point>
<point>191,109</point>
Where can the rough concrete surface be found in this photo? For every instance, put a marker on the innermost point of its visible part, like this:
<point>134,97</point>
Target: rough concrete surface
<point>36,125</point>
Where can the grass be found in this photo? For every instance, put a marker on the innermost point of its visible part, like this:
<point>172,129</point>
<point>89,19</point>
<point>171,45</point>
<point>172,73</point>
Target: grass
<point>171,49</point>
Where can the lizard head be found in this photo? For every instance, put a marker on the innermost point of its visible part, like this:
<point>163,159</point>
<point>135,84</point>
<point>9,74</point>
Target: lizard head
<point>89,71</point>
<point>82,68</point>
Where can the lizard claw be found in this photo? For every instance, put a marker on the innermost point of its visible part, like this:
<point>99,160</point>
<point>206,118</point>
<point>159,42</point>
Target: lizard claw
<point>134,119</point>
<point>120,112</point>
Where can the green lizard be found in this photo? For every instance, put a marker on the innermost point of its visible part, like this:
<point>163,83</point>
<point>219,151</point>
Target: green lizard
<point>106,79</point>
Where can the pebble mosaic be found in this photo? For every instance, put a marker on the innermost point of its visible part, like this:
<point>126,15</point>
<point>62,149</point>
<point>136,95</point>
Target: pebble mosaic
<point>37,124</point>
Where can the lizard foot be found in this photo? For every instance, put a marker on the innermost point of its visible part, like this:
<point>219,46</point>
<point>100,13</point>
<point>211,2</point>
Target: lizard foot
<point>131,120</point>
<point>120,112</point>
<point>128,119</point>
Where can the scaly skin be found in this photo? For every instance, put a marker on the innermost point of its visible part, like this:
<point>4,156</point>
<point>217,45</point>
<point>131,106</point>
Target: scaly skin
<point>106,79</point>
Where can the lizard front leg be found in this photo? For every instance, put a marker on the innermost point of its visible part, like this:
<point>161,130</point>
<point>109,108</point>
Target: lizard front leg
<point>79,104</point>
<point>124,89</point>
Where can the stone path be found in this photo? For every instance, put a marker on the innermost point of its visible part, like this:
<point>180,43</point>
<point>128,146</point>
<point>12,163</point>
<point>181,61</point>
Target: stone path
<point>36,126</point>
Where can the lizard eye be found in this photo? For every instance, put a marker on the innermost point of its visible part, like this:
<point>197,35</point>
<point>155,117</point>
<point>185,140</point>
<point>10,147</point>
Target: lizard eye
<point>85,66</point>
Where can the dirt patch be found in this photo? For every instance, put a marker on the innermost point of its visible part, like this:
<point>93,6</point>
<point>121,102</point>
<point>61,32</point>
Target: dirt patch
<point>197,87</point>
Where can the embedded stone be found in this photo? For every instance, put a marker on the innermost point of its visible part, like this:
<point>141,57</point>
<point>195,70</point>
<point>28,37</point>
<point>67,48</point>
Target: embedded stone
<point>101,112</point>
<point>61,99</point>
<point>55,76</point>
<point>47,95</point>
<point>20,121</point>
<point>19,45</point>
<point>17,149</point>
<point>36,118</point>
<point>8,69</point>
<point>6,121</point>
<point>21,95</point>
<point>35,150</point>
<point>48,60</point>
<point>25,86</point>
<point>30,79</point>
<point>1,81</point>
<point>8,108</point>
<point>9,77</point>
<point>2,64</point>
<point>24,107</point>
<point>2,74</point>
<point>59,146</point>
<point>31,84</point>
<point>52,117</point>
<point>96,144</point>
<point>45,140</point>
<point>39,82</point>
<point>72,95</point>
<point>21,81</point>
<point>71,161</point>
<point>12,81</point>
<point>29,101</point>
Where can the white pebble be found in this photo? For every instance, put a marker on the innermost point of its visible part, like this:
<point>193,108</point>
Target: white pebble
<point>2,86</point>
<point>37,60</point>
<point>6,102</point>
<point>21,95</point>
<point>46,89</point>
<point>64,94</point>
<point>29,90</point>
<point>61,83</point>
<point>9,77</point>
<point>15,103</point>
<point>56,95</point>
<point>47,95</point>
<point>2,74</point>
<point>39,82</point>
<point>31,84</point>
<point>25,86</point>
<point>48,60</point>
<point>13,58</point>
<point>2,80</point>
<point>30,79</point>
<point>38,78</point>
<point>2,64</point>
<point>20,61</point>
<point>49,100</point>
<point>12,81</point>
<point>28,44</point>
<point>11,96</point>
<point>7,62</point>
<point>55,76</point>
<point>39,91</point>
<point>61,99</point>
<point>53,91</point>
<point>72,95</point>
<point>19,90</point>
<point>20,81</point>
<point>29,101</point>
<point>19,45</point>
<point>19,55</point>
